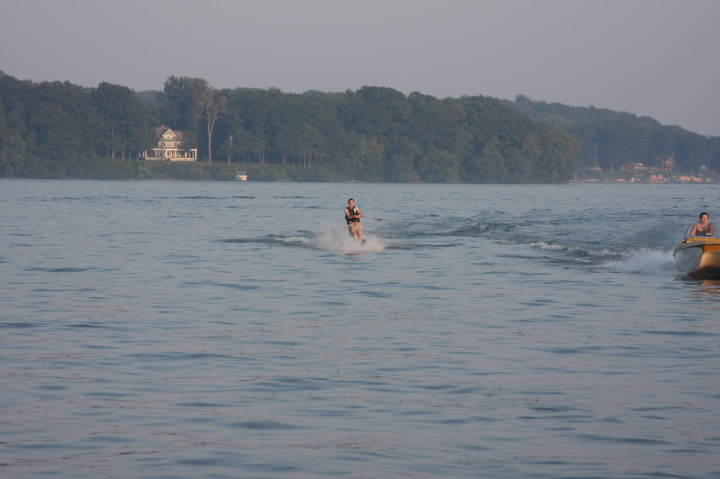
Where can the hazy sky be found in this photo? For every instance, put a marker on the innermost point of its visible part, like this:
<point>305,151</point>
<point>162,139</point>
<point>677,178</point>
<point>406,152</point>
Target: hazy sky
<point>658,58</point>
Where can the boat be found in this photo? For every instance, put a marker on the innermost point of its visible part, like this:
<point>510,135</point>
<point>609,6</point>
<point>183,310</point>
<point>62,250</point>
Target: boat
<point>698,256</point>
<point>241,176</point>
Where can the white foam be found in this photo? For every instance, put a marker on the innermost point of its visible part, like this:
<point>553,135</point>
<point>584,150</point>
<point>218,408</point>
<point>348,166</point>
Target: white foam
<point>296,239</point>
<point>339,241</point>
<point>645,261</point>
<point>572,249</point>
<point>548,246</point>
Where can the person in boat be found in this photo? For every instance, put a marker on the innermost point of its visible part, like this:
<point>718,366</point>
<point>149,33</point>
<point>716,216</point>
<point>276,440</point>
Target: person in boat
<point>352,217</point>
<point>703,227</point>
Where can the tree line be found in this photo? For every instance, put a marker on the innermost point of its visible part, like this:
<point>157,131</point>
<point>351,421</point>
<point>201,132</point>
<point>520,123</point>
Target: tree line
<point>58,129</point>
<point>61,130</point>
<point>611,139</point>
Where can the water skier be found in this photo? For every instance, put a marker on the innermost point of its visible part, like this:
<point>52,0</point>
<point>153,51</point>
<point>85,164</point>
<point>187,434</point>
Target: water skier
<point>352,217</point>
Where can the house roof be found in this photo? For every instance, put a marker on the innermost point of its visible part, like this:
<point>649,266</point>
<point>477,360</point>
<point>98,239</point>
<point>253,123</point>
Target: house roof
<point>162,130</point>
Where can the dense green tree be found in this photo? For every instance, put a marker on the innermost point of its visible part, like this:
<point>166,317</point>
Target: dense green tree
<point>121,122</point>
<point>213,103</point>
<point>662,146</point>
<point>367,160</point>
<point>438,166</point>
<point>56,129</point>
<point>492,164</point>
<point>623,142</point>
<point>182,102</point>
<point>399,168</point>
<point>714,149</point>
<point>300,143</point>
<point>693,151</point>
<point>12,147</point>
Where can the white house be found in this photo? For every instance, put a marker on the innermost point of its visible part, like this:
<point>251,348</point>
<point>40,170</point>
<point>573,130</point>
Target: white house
<point>170,147</point>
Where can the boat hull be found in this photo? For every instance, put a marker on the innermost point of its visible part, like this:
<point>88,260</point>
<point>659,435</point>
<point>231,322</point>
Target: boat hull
<point>699,258</point>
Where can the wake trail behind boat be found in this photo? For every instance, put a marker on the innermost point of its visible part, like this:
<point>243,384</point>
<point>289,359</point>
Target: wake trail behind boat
<point>644,261</point>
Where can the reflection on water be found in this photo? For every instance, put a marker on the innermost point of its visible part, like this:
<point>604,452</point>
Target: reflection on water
<point>710,288</point>
<point>705,290</point>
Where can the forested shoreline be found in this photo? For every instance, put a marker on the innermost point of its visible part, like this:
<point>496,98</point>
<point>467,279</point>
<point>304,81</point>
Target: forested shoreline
<point>374,134</point>
<point>611,139</point>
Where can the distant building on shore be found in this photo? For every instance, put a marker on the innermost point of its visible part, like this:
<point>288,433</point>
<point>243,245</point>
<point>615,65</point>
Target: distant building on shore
<point>170,147</point>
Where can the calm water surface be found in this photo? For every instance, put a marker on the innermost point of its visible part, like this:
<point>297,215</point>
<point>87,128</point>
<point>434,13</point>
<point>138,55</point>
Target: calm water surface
<point>221,330</point>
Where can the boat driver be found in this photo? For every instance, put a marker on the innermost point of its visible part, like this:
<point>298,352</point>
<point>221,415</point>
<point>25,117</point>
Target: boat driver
<point>703,227</point>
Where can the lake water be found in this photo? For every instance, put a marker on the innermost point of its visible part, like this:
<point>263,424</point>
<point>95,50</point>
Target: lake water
<point>219,330</point>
